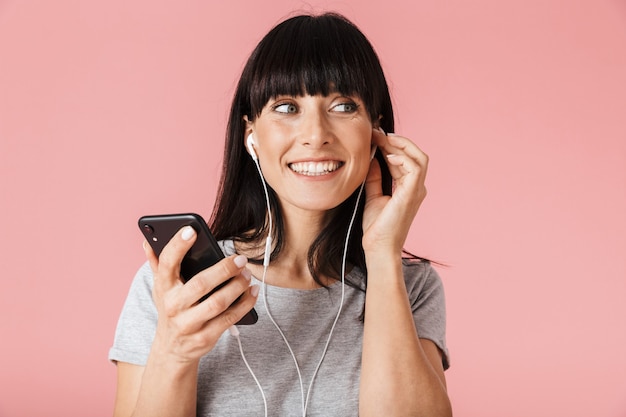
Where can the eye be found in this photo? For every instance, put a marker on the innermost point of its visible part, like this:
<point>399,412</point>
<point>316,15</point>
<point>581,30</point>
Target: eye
<point>348,107</point>
<point>286,108</point>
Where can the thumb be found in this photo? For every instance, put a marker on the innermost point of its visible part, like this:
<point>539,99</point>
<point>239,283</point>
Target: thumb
<point>373,182</point>
<point>152,258</point>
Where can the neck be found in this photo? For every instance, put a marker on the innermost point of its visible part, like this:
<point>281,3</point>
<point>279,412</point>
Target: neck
<point>290,269</point>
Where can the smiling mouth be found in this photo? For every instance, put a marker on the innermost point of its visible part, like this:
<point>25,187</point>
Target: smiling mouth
<point>315,168</point>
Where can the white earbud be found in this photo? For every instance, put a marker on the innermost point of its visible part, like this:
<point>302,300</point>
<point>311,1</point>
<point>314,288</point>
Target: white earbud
<point>250,144</point>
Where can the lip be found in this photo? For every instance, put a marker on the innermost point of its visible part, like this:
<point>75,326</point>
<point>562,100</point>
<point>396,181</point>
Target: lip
<point>319,158</point>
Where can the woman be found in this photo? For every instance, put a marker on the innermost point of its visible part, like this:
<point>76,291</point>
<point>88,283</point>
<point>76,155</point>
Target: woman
<point>312,105</point>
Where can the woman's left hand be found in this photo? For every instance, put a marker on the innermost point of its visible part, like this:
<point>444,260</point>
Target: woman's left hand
<point>387,219</point>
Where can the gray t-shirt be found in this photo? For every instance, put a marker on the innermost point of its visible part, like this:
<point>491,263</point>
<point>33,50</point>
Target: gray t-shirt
<point>225,386</point>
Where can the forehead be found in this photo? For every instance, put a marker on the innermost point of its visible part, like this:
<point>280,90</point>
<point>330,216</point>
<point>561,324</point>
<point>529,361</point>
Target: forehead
<point>313,57</point>
<point>327,83</point>
<point>331,95</point>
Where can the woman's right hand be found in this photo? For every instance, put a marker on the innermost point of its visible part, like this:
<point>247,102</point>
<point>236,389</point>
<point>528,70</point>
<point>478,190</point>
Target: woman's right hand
<point>186,329</point>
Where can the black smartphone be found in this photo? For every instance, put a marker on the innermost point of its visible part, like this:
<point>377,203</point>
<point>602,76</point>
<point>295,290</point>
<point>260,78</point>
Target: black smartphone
<point>205,252</point>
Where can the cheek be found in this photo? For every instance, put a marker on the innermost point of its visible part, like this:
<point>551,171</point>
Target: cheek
<point>365,167</point>
<point>272,139</point>
<point>361,165</point>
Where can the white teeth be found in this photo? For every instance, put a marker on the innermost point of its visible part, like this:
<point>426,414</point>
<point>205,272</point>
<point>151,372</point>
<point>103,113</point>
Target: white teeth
<point>314,168</point>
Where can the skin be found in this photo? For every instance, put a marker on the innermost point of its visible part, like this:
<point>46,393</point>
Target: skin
<point>401,375</point>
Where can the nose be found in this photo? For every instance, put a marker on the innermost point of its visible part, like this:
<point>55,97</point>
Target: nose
<point>315,130</point>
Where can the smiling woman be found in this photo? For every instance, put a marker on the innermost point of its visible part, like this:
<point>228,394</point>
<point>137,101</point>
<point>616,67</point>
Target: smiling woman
<point>347,326</point>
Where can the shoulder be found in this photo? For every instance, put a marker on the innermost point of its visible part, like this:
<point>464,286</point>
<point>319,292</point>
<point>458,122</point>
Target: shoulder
<point>427,298</point>
<point>420,276</point>
<point>141,286</point>
<point>424,288</point>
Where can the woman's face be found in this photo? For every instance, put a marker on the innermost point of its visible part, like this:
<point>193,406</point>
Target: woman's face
<point>314,151</point>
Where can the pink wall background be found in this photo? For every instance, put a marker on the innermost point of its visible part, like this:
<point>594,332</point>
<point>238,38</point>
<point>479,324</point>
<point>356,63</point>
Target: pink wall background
<point>114,109</point>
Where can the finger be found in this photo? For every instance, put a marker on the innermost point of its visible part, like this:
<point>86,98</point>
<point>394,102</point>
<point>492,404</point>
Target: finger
<point>242,307</point>
<point>409,162</point>
<point>403,165</point>
<point>381,140</point>
<point>168,269</point>
<point>373,182</point>
<point>152,259</point>
<point>223,298</point>
<point>413,176</point>
<point>214,328</point>
<point>394,144</point>
<point>407,147</point>
<point>389,151</point>
<point>211,279</point>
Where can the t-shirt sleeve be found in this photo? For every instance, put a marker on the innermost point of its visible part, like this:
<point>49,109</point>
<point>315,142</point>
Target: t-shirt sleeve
<point>426,294</point>
<point>137,323</point>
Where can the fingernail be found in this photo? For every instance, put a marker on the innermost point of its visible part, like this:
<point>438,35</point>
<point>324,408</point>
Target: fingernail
<point>188,233</point>
<point>246,274</point>
<point>240,261</point>
<point>254,290</point>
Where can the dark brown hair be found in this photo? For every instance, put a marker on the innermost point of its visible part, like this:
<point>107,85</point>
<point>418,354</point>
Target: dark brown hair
<point>302,55</point>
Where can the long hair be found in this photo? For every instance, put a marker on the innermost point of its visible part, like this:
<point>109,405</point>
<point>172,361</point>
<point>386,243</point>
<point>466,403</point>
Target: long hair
<point>313,55</point>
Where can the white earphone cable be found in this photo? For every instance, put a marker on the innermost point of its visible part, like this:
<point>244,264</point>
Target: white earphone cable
<point>343,291</point>
<point>235,332</point>
<point>266,261</point>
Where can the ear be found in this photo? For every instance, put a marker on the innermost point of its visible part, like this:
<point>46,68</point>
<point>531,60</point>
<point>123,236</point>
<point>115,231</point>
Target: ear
<point>376,126</point>
<point>376,123</point>
<point>249,125</point>
<point>250,144</point>
<point>373,152</point>
<point>249,138</point>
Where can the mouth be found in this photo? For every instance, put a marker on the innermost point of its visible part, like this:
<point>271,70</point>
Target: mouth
<point>313,169</point>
